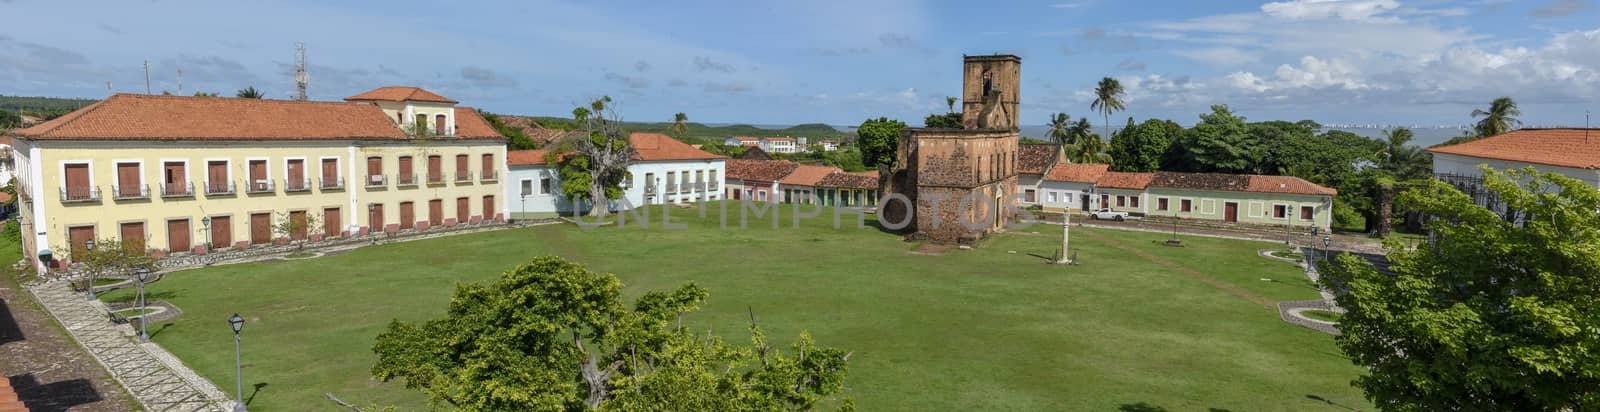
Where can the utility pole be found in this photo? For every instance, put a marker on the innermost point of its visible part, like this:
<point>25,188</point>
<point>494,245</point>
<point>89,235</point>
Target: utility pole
<point>147,76</point>
<point>180,80</point>
<point>301,78</point>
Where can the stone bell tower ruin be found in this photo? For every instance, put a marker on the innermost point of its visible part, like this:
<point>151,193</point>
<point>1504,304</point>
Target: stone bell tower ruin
<point>962,182</point>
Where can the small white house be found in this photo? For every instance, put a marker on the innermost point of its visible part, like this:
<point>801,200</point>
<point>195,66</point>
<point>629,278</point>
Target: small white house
<point>1070,186</point>
<point>663,171</point>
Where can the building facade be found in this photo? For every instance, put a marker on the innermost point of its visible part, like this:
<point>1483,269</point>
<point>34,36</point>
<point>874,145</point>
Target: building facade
<point>662,171</point>
<point>1071,187</point>
<point>757,179</point>
<point>961,183</point>
<point>1246,199</point>
<point>202,173</point>
<point>1033,162</point>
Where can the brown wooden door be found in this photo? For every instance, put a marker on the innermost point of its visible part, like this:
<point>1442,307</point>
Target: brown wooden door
<point>376,225</point>
<point>330,172</point>
<point>260,228</point>
<point>297,221</point>
<point>80,237</point>
<point>408,216</point>
<point>488,208</point>
<point>297,174</point>
<point>133,236</point>
<point>174,178</point>
<point>1230,212</point>
<point>217,177</point>
<point>78,182</point>
<point>330,223</point>
<point>178,235</point>
<point>463,210</point>
<point>128,179</point>
<point>221,231</point>
<point>435,212</point>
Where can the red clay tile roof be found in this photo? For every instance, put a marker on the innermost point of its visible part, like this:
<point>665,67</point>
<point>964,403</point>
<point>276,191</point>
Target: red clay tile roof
<point>1239,183</point>
<point>657,146</point>
<point>1121,180</point>
<point>150,117</point>
<point>539,134</point>
<point>525,157</point>
<point>759,170</point>
<point>848,180</point>
<point>400,94</point>
<point>808,175</point>
<point>1579,148</point>
<point>1035,158</point>
<point>1077,172</point>
<point>471,125</point>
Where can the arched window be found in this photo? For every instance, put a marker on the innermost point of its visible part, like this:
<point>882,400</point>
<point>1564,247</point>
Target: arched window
<point>988,83</point>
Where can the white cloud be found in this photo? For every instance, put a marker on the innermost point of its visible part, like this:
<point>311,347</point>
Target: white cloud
<point>1358,10</point>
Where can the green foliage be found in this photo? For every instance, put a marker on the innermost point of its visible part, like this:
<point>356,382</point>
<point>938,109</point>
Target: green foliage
<point>9,119</point>
<point>1221,142</point>
<point>1108,99</point>
<point>207,94</point>
<point>552,335</point>
<point>593,165</point>
<point>515,138</point>
<point>113,256</point>
<point>249,93</point>
<point>44,107</point>
<point>847,158</point>
<point>1139,148</point>
<point>287,228</point>
<point>951,120</point>
<point>699,133</point>
<point>878,139</point>
<point>1491,314</point>
<point>1500,118</point>
<point>12,231</point>
<point>680,125</point>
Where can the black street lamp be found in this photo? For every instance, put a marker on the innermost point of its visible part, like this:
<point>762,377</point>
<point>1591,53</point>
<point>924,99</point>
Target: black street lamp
<point>237,323</point>
<point>142,275</point>
<point>1327,242</point>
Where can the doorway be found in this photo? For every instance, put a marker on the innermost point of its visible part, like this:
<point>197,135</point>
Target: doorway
<point>1230,212</point>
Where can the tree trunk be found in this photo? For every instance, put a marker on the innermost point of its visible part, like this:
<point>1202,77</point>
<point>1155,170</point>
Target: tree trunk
<point>597,196</point>
<point>1385,210</point>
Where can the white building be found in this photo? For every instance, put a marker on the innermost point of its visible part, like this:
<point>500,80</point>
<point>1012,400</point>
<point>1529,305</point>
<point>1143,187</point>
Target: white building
<point>1033,161</point>
<point>780,145</point>
<point>1069,186</point>
<point>663,170</point>
<point>1574,153</point>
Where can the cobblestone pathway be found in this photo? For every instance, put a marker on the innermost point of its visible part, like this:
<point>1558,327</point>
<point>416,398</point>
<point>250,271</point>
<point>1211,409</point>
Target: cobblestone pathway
<point>152,375</point>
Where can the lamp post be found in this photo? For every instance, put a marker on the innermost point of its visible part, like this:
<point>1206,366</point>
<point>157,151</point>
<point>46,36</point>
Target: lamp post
<point>206,222</point>
<point>1313,244</point>
<point>88,247</point>
<point>237,323</point>
<point>142,275</point>
<point>372,218</point>
<point>524,207</point>
<point>1327,242</point>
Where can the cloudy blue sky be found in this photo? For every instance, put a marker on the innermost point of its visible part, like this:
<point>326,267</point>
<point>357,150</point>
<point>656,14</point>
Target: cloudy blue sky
<point>1391,61</point>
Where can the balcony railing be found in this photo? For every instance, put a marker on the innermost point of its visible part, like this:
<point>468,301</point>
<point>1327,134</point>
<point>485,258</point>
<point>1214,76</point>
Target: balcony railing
<point>80,194</point>
<point>302,184</point>
<point>435,177</point>
<point>463,176</point>
<point>259,186</point>
<point>650,188</point>
<point>335,183</point>
<point>185,189</point>
<point>685,188</point>
<point>489,175</point>
<point>406,180</point>
<point>220,188</point>
<point>130,192</point>
<point>672,188</point>
<point>711,186</point>
<point>377,180</point>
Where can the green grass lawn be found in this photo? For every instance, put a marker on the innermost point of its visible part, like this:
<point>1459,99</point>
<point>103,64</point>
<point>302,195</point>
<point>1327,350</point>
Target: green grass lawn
<point>992,328</point>
<point>1322,315</point>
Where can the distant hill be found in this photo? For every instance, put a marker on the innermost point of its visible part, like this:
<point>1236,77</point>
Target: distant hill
<point>47,106</point>
<point>700,133</point>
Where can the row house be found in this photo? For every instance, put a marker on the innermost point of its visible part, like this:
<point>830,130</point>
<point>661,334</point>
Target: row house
<point>847,189</point>
<point>800,186</point>
<point>1225,198</point>
<point>661,171</point>
<point>182,174</point>
<point>757,179</point>
<point>1033,161</point>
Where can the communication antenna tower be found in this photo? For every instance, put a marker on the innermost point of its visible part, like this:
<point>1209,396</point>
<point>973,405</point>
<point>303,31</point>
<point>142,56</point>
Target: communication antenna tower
<point>301,78</point>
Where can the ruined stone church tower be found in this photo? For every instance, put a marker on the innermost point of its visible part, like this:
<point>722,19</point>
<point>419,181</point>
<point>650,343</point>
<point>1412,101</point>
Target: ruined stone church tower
<point>962,182</point>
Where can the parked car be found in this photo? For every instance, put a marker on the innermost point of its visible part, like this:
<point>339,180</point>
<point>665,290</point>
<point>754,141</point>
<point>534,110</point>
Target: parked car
<point>1108,214</point>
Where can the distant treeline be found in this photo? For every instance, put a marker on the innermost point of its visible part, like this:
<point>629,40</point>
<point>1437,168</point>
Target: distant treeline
<point>700,133</point>
<point>45,107</point>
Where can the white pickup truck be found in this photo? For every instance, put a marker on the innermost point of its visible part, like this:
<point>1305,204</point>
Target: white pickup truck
<point>1108,214</point>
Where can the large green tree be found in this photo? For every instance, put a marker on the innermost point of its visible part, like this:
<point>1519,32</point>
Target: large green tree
<point>552,335</point>
<point>594,163</point>
<point>1107,100</point>
<point>1060,125</point>
<point>1501,117</point>
<point>516,139</point>
<point>879,139</point>
<point>1085,146</point>
<point>1221,142</point>
<point>680,125</point>
<point>1138,148</point>
<point>1490,313</point>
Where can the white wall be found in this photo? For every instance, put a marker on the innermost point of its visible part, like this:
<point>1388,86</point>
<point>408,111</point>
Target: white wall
<point>713,167</point>
<point>1066,195</point>
<point>1468,166</point>
<point>535,201</point>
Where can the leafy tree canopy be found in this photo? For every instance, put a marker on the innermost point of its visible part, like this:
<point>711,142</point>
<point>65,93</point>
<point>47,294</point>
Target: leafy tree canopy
<point>552,335</point>
<point>879,139</point>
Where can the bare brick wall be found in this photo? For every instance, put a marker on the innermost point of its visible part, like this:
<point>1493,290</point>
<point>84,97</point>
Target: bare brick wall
<point>1005,75</point>
<point>942,168</point>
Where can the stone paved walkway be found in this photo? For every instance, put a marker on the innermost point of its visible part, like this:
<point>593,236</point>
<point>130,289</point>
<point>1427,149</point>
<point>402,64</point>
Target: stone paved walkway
<point>152,375</point>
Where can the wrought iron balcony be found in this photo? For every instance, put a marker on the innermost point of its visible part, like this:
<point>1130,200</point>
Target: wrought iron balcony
<point>184,189</point>
<point>489,175</point>
<point>406,180</point>
<point>333,184</point>
<point>260,186</point>
<point>130,192</point>
<point>377,180</point>
<point>302,184</point>
<point>80,194</point>
<point>463,177</point>
<point>220,188</point>
<point>672,188</point>
<point>435,177</point>
<point>650,188</point>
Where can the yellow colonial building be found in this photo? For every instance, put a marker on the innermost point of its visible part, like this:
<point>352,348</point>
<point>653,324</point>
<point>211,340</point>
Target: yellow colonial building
<point>195,174</point>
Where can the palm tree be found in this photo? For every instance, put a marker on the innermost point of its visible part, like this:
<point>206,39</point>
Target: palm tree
<point>1400,159</point>
<point>1107,99</point>
<point>680,124</point>
<point>1083,146</point>
<point>1500,117</point>
<point>950,101</point>
<point>249,93</point>
<point>1059,125</point>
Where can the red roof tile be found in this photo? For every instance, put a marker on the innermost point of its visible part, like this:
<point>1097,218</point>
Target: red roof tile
<point>1239,183</point>
<point>808,175</point>
<point>848,180</point>
<point>150,117</point>
<point>526,157</point>
<point>1121,180</point>
<point>1077,172</point>
<point>1289,185</point>
<point>1579,148</point>
<point>400,94</point>
<point>759,170</point>
<point>471,125</point>
<point>657,146</point>
<point>1035,158</point>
